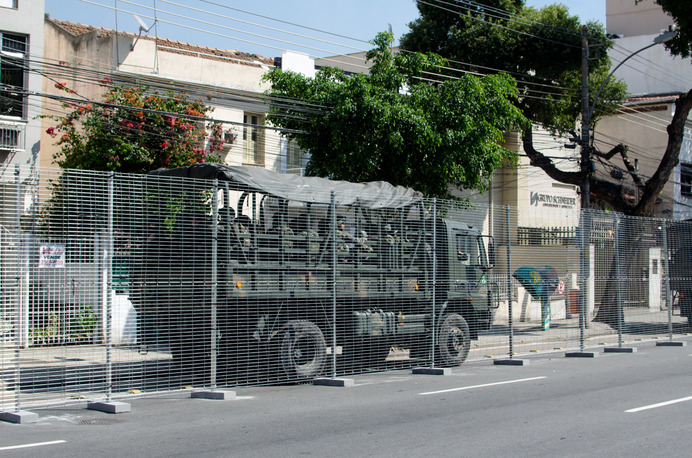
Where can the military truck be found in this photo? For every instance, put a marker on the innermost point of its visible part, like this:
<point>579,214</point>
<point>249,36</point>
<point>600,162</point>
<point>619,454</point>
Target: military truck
<point>269,272</point>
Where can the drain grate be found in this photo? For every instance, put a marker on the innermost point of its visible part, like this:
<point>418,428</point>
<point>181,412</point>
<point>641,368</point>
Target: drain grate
<point>99,421</point>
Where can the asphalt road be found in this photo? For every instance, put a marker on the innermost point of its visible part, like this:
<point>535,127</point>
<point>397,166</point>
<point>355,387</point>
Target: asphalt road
<point>637,404</point>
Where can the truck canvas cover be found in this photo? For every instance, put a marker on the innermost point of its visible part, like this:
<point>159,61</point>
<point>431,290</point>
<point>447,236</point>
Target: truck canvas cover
<point>372,195</point>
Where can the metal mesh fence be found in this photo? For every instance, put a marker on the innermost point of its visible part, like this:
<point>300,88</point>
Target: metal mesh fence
<point>117,284</point>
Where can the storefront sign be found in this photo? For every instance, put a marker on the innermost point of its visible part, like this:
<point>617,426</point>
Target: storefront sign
<point>550,200</point>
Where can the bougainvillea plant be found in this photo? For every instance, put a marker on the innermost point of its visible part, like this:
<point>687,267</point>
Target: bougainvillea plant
<point>135,130</point>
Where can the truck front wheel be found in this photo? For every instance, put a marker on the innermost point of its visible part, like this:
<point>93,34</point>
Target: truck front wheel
<point>454,340</point>
<point>302,350</point>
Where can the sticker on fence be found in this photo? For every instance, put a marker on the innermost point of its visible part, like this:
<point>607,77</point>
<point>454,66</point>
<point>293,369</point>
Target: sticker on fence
<point>51,256</point>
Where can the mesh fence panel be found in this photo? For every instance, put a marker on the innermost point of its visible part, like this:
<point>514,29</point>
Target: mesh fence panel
<point>117,284</point>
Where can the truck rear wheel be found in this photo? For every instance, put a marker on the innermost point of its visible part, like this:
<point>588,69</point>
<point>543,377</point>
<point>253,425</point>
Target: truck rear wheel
<point>302,350</point>
<point>454,340</point>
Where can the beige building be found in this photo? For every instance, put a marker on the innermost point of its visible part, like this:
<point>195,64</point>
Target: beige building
<point>230,81</point>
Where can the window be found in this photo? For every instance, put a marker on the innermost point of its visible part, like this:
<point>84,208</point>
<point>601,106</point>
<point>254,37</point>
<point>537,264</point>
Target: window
<point>12,75</point>
<point>686,180</point>
<point>467,249</point>
<point>294,158</point>
<point>8,4</point>
<point>253,140</point>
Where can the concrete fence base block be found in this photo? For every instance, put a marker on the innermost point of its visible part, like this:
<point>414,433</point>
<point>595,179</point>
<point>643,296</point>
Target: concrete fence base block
<point>109,407</point>
<point>511,362</point>
<point>216,395</point>
<point>671,343</point>
<point>432,370</point>
<point>581,354</point>
<point>342,382</point>
<point>619,350</point>
<point>21,417</point>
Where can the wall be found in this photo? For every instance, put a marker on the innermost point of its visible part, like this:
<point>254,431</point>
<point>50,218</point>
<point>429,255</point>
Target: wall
<point>653,71</point>
<point>69,57</point>
<point>625,17</point>
<point>27,19</point>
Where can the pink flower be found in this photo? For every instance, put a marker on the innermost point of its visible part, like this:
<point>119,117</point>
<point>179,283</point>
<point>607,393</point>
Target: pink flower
<point>51,131</point>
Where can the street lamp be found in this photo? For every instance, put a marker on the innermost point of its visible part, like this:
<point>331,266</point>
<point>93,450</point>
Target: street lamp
<point>663,38</point>
<point>587,112</point>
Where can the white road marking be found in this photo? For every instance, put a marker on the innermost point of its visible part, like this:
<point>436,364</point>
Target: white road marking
<point>482,386</point>
<point>36,444</point>
<point>660,404</point>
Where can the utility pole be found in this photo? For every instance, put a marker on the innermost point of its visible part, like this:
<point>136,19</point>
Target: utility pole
<point>585,187</point>
<point>584,264</point>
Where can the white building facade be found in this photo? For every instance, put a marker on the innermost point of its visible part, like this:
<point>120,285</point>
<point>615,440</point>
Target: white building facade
<point>21,34</point>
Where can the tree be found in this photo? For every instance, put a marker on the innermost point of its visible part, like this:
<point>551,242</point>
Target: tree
<point>681,12</point>
<point>135,130</point>
<point>544,47</point>
<point>396,124</point>
<point>504,34</point>
<point>681,45</point>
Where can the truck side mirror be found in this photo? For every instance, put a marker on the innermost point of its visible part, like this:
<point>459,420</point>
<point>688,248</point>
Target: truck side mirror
<point>491,254</point>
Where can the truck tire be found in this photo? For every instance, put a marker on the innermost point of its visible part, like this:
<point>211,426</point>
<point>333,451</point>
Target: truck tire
<point>454,340</point>
<point>302,350</point>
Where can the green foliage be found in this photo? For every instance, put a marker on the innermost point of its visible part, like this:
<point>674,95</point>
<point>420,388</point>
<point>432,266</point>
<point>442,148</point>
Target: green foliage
<point>79,327</point>
<point>396,124</point>
<point>46,334</point>
<point>135,130</point>
<point>82,323</point>
<point>541,48</point>
<point>681,12</point>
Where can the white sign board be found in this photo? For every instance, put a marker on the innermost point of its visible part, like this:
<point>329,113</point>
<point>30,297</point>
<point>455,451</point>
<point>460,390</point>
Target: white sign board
<point>51,256</point>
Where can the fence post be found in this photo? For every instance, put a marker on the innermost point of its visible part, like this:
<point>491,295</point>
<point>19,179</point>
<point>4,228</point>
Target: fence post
<point>332,207</point>
<point>510,309</point>
<point>108,260</point>
<point>509,283</point>
<point>669,295</point>
<point>108,405</point>
<point>434,285</point>
<point>21,324</point>
<point>582,278</point>
<point>214,282</point>
<point>618,281</point>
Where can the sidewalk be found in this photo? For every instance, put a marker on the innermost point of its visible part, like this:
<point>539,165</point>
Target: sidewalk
<point>639,324</point>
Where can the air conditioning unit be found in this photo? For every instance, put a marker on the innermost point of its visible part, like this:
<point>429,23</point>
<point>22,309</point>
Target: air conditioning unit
<point>12,136</point>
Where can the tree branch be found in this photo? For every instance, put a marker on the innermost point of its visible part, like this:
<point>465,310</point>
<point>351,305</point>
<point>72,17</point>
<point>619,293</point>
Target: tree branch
<point>671,156</point>
<point>607,156</point>
<point>606,191</point>
<point>630,168</point>
<point>546,164</point>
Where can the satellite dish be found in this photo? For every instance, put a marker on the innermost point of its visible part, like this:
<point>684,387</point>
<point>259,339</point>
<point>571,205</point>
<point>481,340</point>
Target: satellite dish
<point>142,28</point>
<point>142,25</point>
